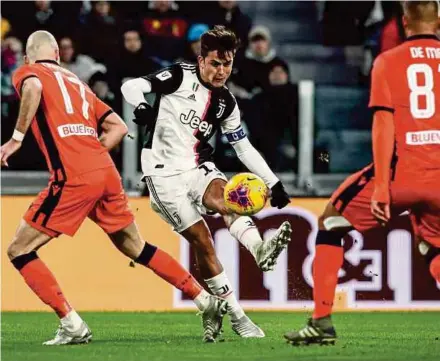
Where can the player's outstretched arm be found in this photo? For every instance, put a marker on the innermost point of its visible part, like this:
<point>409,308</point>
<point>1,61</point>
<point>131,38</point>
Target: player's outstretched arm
<point>113,130</point>
<point>30,100</point>
<point>253,161</point>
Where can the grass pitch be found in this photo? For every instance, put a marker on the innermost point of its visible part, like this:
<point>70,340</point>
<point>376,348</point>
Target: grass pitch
<point>177,336</point>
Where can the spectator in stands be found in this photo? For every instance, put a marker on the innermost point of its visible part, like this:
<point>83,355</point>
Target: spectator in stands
<point>251,74</point>
<point>27,17</point>
<point>273,121</point>
<point>99,83</point>
<point>132,61</point>
<point>100,33</point>
<point>11,59</point>
<point>193,42</point>
<point>228,13</point>
<point>393,33</point>
<point>81,65</point>
<point>164,29</point>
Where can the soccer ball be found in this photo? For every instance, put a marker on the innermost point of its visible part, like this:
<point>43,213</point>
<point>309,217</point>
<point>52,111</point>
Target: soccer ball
<point>245,194</point>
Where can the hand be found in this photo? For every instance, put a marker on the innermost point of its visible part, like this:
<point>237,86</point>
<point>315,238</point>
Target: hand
<point>279,197</point>
<point>7,149</point>
<point>144,114</point>
<point>380,203</point>
<point>381,211</point>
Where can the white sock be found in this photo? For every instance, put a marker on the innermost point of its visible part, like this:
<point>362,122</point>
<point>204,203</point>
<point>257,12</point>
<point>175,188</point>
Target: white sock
<point>244,230</point>
<point>220,286</point>
<point>71,322</point>
<point>202,300</point>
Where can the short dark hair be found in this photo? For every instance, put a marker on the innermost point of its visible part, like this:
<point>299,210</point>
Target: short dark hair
<point>221,39</point>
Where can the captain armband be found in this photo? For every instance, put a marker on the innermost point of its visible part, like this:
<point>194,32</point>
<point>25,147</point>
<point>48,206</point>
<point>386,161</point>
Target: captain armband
<point>236,135</point>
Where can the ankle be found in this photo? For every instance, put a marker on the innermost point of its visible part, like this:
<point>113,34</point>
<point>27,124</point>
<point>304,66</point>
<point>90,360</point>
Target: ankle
<point>72,321</point>
<point>324,322</point>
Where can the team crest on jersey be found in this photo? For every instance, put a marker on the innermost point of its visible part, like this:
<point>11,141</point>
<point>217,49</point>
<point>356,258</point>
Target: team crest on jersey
<point>195,87</point>
<point>221,108</point>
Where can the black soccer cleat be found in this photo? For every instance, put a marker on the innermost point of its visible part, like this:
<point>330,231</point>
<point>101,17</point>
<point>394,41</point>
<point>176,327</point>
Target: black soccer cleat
<point>319,331</point>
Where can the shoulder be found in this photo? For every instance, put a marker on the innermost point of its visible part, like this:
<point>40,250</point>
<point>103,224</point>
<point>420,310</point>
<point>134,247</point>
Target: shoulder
<point>227,101</point>
<point>393,55</point>
<point>228,97</point>
<point>24,72</point>
<point>186,66</point>
<point>25,69</point>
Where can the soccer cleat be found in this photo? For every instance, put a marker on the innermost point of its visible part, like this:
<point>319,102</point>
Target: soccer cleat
<point>64,337</point>
<point>212,318</point>
<point>320,331</point>
<point>245,328</point>
<point>267,254</point>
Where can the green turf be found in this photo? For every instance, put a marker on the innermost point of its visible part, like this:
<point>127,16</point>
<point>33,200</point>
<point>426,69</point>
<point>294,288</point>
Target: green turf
<point>177,336</point>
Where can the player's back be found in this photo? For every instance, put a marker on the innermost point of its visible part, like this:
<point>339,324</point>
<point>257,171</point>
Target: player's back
<point>66,121</point>
<point>413,75</point>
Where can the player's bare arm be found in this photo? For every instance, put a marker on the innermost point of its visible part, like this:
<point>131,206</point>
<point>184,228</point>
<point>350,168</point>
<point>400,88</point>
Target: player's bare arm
<point>30,100</point>
<point>383,147</point>
<point>113,131</point>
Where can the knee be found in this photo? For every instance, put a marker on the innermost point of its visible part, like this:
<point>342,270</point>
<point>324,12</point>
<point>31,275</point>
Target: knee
<point>14,249</point>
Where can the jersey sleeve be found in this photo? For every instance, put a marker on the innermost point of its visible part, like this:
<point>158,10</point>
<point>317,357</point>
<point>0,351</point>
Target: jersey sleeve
<point>102,110</point>
<point>21,74</point>
<point>167,80</point>
<point>231,126</point>
<point>380,93</point>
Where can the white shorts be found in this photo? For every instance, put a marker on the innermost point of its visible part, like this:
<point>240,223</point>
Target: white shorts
<point>178,199</point>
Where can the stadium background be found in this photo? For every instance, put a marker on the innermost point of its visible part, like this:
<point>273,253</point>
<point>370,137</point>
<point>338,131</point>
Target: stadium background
<point>313,129</point>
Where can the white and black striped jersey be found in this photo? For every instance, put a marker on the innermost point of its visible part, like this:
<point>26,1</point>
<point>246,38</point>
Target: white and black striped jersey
<point>188,112</point>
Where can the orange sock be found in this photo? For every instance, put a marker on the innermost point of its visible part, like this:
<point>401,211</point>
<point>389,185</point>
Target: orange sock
<point>328,260</point>
<point>167,268</point>
<point>434,268</point>
<point>39,278</point>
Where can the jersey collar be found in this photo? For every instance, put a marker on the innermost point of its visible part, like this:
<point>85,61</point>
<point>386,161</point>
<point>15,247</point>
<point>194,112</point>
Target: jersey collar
<point>423,36</point>
<point>47,61</point>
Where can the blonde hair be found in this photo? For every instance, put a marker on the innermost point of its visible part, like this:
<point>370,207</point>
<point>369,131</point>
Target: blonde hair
<point>39,45</point>
<point>422,11</point>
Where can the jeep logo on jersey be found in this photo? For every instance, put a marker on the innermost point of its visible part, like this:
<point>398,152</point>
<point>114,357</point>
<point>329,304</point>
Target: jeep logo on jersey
<point>196,123</point>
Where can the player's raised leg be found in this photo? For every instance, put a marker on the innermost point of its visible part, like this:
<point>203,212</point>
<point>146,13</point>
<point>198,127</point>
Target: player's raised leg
<point>199,236</point>
<point>23,254</point>
<point>244,230</point>
<point>329,256</point>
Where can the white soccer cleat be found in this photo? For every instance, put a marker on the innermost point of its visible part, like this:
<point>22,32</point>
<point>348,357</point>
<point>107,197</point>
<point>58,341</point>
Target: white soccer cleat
<point>245,328</point>
<point>212,318</point>
<point>64,337</point>
<point>267,254</point>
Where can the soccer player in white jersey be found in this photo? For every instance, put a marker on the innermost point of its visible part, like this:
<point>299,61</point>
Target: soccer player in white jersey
<point>191,103</point>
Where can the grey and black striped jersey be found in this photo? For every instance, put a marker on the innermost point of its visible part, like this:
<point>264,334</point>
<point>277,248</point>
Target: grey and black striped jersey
<point>188,112</point>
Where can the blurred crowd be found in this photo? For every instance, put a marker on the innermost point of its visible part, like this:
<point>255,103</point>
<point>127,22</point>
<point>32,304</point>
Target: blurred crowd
<point>104,42</point>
